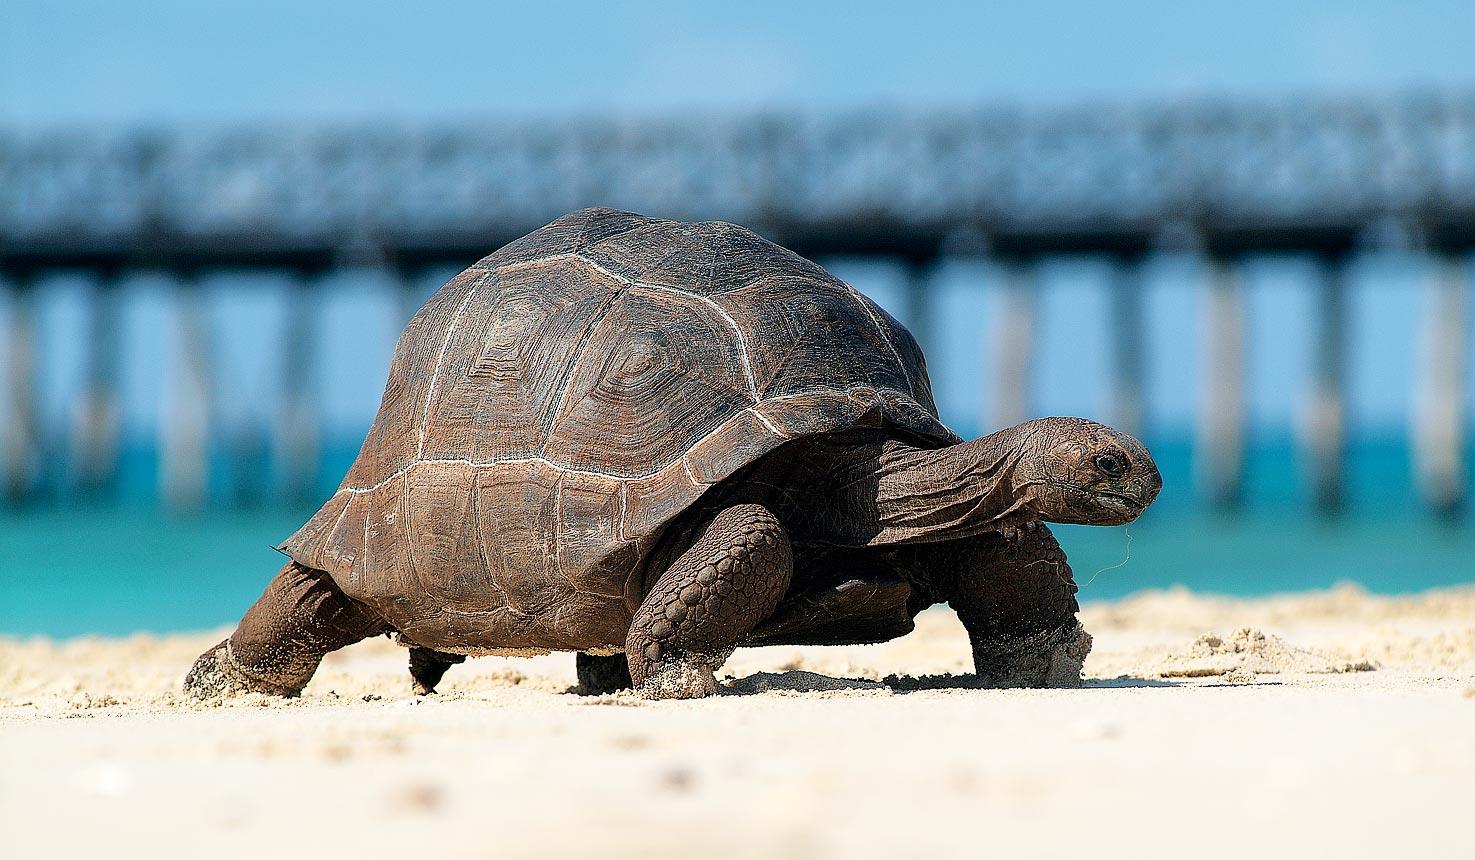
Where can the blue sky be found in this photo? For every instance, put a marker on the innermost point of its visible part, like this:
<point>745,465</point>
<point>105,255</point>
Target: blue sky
<point>226,60</point>
<point>207,62</point>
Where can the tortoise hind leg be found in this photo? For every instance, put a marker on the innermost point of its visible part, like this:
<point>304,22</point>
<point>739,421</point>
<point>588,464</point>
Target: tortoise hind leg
<point>428,666</point>
<point>729,579</point>
<point>599,675</point>
<point>300,617</point>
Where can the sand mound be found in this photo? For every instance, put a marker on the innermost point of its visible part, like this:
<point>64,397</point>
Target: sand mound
<point>1250,652</point>
<point>1347,603</point>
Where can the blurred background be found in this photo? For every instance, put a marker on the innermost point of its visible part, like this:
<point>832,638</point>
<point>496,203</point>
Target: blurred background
<point>1243,231</point>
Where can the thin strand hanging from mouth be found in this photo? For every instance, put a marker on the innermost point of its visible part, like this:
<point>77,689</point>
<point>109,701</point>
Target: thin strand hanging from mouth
<point>1126,558</point>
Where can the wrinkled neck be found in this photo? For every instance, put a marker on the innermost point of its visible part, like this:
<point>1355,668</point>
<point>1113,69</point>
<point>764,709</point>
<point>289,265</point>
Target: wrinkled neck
<point>947,493</point>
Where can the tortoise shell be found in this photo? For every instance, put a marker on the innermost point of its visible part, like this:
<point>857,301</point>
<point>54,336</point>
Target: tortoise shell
<point>553,407</point>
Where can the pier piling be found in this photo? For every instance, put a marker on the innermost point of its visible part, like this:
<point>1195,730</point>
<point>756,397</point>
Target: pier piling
<point>184,449</point>
<point>1128,363</point>
<point>1324,425</point>
<point>96,420</point>
<point>1014,340</point>
<point>296,425</point>
<point>21,452</point>
<point>1440,404</point>
<point>1220,439</point>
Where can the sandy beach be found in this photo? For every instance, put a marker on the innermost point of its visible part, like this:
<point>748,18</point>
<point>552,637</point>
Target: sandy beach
<point>1322,724</point>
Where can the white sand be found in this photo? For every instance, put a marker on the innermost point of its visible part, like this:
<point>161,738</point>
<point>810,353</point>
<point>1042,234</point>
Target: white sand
<point>1338,724</point>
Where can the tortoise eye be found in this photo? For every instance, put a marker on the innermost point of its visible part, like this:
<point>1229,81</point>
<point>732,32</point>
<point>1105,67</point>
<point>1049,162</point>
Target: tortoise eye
<point>1111,465</point>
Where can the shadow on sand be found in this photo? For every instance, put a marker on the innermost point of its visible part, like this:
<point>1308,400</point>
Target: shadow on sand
<point>1127,682</point>
<point>798,681</point>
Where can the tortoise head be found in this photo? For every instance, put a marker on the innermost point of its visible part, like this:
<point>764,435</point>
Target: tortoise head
<point>1071,470</point>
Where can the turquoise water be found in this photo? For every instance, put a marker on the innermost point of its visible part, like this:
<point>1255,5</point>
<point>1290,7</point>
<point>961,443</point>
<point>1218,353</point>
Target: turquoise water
<point>122,568</point>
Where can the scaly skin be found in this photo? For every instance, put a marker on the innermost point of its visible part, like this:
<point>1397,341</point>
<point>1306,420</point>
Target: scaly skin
<point>1016,598</point>
<point>731,578</point>
<point>277,647</point>
<point>1013,592</point>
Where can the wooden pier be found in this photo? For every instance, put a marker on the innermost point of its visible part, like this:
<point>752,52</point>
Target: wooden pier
<point>919,190</point>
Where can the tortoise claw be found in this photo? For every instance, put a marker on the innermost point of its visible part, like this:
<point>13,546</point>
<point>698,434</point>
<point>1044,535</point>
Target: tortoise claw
<point>217,674</point>
<point>678,679</point>
<point>1051,658</point>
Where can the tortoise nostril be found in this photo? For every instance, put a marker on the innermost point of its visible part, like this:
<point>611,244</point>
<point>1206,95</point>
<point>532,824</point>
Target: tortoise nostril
<point>1149,487</point>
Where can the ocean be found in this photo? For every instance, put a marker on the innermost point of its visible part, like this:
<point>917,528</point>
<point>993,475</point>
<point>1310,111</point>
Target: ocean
<point>122,568</point>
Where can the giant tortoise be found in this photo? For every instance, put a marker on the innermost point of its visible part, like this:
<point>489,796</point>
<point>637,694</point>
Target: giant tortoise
<point>650,442</point>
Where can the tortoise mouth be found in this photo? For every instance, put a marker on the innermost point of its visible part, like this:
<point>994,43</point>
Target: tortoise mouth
<point>1093,506</point>
<point>1125,507</point>
<point>1122,500</point>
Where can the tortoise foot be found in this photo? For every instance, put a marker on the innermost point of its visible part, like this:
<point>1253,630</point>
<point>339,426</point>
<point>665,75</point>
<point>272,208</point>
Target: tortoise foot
<point>727,580</point>
<point>1052,658</point>
<point>600,675</point>
<point>428,666</point>
<point>678,679</point>
<point>217,674</point>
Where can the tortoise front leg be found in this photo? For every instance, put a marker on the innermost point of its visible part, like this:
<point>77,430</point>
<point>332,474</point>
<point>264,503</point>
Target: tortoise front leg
<point>729,579</point>
<point>277,647</point>
<point>1016,598</point>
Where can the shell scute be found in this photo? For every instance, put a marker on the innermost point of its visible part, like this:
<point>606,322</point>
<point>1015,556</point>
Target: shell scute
<point>660,372</point>
<point>570,234</point>
<point>737,442</point>
<point>590,507</point>
<point>787,321</point>
<point>503,376</point>
<point>436,505</point>
<point>514,501</point>
<point>704,258</point>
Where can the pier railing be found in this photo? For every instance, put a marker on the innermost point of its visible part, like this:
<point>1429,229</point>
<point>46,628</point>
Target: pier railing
<point>1225,180</point>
